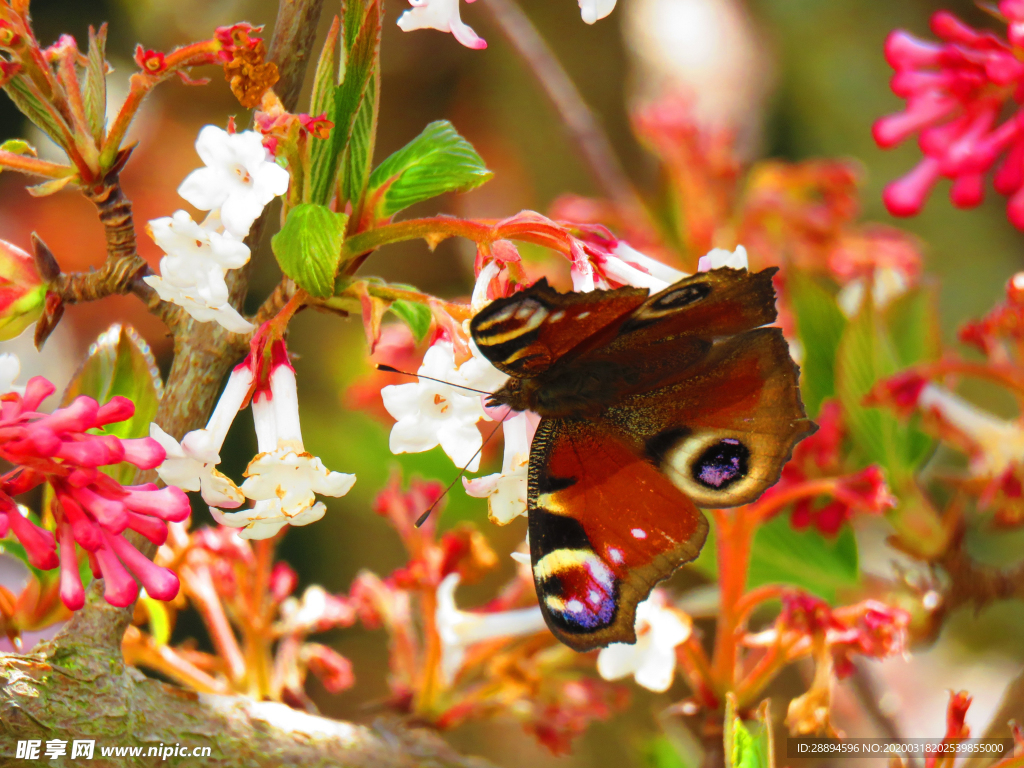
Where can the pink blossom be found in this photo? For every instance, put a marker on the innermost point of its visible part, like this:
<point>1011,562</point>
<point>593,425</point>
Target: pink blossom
<point>91,509</point>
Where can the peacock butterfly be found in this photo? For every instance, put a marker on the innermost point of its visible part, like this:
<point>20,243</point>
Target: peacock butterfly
<point>651,405</point>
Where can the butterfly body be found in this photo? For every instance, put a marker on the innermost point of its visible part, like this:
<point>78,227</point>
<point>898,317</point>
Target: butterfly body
<point>651,405</point>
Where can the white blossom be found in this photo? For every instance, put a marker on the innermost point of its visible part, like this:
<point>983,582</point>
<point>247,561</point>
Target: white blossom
<point>198,307</point>
<point>10,369</point>
<point>240,178</point>
<point>653,267</point>
<point>460,629</point>
<point>192,464</point>
<point>283,477</point>
<point>888,284</point>
<point>652,659</point>
<point>430,413</point>
<point>442,15</point>
<point>720,257</point>
<point>198,256</point>
<point>592,10</point>
<point>506,491</point>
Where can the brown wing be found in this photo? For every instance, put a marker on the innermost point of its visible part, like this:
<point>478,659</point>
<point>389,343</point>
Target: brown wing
<point>722,428</point>
<point>605,526</point>
<point>524,334</point>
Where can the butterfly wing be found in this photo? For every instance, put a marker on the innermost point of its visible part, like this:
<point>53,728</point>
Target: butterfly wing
<point>722,428</point>
<point>524,334</point>
<point>605,526</point>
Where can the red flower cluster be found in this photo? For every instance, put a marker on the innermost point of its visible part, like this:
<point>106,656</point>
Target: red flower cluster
<point>90,508</point>
<point>957,94</point>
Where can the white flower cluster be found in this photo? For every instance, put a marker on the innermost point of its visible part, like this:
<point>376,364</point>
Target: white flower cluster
<point>239,179</point>
<point>282,479</point>
<point>444,15</point>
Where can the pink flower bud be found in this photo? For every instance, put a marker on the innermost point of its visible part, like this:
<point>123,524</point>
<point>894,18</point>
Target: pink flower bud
<point>77,417</point>
<point>904,51</point>
<point>40,547</point>
<point>283,581</point>
<point>22,291</point>
<point>72,593</point>
<point>968,191</point>
<point>907,196</point>
<point>168,503</point>
<point>160,583</point>
<point>110,514</point>
<point>143,452</point>
<point>118,409</point>
<point>154,530</point>
<point>119,588</point>
<point>332,669</point>
<point>86,533</point>
<point>36,390</point>
<point>96,451</point>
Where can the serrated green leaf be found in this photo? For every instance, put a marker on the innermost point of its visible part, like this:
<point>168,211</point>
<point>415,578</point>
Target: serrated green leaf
<point>821,324</point>
<point>32,107</point>
<point>805,559</point>
<point>439,160</point>
<point>95,91</point>
<point>51,187</point>
<point>359,153</point>
<point>308,247</point>
<point>120,363</point>
<point>867,355</point>
<point>362,49</point>
<point>417,316</point>
<point>325,81</point>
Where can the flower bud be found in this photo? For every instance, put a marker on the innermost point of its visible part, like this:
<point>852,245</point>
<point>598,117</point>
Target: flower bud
<point>22,291</point>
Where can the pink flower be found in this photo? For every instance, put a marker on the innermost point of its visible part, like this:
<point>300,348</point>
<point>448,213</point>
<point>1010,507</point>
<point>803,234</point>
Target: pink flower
<point>963,98</point>
<point>91,509</point>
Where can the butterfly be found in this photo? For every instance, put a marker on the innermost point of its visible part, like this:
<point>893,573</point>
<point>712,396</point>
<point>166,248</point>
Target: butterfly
<point>651,406</point>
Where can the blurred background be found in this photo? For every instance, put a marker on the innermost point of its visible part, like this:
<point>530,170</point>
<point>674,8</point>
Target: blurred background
<point>796,79</point>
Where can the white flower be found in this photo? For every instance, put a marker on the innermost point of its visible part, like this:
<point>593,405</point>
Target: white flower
<point>283,477</point>
<point>506,491</point>
<point>653,267</point>
<point>1000,443</point>
<point>442,15</point>
<point>652,660</point>
<point>197,255</point>
<point>240,178</point>
<point>719,257</point>
<point>888,284</point>
<point>192,464</point>
<point>200,309</point>
<point>430,413</point>
<point>10,369</point>
<point>592,10</point>
<point>459,629</point>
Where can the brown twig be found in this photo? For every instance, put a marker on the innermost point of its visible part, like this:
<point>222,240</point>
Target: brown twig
<point>583,126</point>
<point>973,583</point>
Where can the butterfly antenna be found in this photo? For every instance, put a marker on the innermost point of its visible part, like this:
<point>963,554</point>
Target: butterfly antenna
<point>423,518</point>
<point>390,369</point>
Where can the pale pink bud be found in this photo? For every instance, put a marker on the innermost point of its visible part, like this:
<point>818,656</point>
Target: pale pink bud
<point>118,409</point>
<point>332,669</point>
<point>283,581</point>
<point>37,389</point>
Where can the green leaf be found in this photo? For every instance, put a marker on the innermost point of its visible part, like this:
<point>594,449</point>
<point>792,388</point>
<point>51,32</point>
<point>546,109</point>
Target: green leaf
<point>120,363</point>
<point>661,753</point>
<point>325,81</point>
<point>159,619</point>
<point>95,92</point>
<point>821,324</point>
<point>17,551</point>
<point>416,316</point>
<point>867,355</point>
<point>19,147</point>
<point>439,160</point>
<point>32,106</point>
<point>362,55</point>
<point>308,247</point>
<point>747,748</point>
<point>359,154</point>
<point>913,322</point>
<point>805,559</point>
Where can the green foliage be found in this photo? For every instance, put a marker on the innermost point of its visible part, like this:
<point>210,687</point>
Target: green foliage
<point>867,354</point>
<point>804,559</point>
<point>95,92</point>
<point>439,160</point>
<point>31,106</point>
<point>748,748</point>
<point>661,753</point>
<point>308,247</point>
<point>351,104</point>
<point>821,324</point>
<point>416,316</point>
<point>120,363</point>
